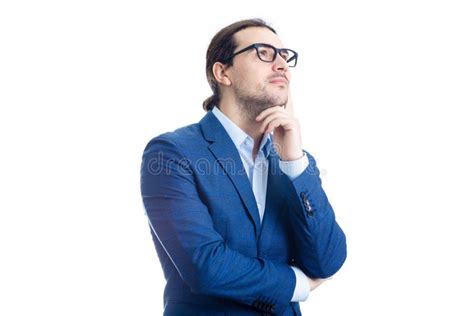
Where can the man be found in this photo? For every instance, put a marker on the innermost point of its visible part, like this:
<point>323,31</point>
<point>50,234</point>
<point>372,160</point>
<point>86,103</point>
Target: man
<point>238,216</point>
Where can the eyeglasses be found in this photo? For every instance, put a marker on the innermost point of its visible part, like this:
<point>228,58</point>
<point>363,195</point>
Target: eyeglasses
<point>268,53</point>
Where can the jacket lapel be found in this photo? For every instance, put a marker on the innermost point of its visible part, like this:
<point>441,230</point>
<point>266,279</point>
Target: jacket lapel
<point>273,200</point>
<point>229,159</point>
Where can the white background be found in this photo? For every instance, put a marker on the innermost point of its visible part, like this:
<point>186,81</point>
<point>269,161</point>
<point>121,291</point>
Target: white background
<point>384,93</point>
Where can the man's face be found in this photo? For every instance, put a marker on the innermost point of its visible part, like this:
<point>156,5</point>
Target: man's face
<point>258,85</point>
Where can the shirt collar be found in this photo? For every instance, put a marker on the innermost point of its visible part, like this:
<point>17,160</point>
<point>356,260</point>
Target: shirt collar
<point>238,136</point>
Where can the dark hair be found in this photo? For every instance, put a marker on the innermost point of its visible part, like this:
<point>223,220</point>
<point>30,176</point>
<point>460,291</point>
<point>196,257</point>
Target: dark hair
<point>220,50</point>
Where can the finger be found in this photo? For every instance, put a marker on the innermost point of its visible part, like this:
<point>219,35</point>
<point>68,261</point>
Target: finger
<point>319,282</point>
<point>268,111</point>
<point>283,122</point>
<point>269,118</point>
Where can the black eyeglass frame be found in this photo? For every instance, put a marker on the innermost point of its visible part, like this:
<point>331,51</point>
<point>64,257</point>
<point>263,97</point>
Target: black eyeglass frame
<point>276,51</point>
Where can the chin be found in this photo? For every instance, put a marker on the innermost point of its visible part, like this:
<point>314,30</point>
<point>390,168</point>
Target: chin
<point>282,99</point>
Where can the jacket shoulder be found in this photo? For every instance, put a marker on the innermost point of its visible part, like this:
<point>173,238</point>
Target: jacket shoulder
<point>181,138</point>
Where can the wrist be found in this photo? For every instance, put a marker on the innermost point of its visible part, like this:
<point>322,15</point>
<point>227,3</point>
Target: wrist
<point>292,157</point>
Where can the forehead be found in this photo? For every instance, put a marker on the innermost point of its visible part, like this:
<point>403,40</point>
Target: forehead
<point>254,35</point>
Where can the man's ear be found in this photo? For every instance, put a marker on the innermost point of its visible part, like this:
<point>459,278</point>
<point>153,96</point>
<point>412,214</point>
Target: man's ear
<point>220,72</point>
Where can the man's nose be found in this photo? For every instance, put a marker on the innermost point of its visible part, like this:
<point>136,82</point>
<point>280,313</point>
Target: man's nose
<point>280,64</point>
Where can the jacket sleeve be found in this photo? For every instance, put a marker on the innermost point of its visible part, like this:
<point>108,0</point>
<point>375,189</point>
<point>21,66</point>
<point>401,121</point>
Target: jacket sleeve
<point>320,244</point>
<point>184,227</point>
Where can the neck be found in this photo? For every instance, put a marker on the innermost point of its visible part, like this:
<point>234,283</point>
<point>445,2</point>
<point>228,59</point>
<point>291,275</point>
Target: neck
<point>247,124</point>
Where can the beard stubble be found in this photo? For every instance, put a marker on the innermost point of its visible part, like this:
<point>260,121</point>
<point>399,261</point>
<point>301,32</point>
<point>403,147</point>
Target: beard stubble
<point>251,105</point>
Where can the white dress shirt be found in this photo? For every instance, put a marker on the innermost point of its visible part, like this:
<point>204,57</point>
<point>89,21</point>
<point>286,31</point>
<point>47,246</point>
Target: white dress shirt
<point>257,172</point>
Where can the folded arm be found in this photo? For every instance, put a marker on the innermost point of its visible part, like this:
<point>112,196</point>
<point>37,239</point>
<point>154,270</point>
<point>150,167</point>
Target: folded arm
<point>320,242</point>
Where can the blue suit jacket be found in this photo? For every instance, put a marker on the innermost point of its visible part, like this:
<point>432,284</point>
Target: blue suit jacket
<point>217,258</point>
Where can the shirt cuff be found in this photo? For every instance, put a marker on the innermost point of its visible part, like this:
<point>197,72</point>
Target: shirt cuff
<point>302,288</point>
<point>294,168</point>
